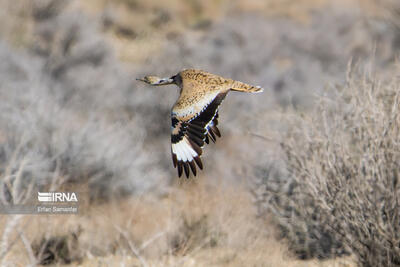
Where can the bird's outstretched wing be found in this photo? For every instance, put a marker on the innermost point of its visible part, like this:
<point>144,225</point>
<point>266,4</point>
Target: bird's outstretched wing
<point>190,131</point>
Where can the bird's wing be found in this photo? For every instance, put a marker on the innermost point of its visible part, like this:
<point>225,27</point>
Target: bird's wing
<point>190,129</point>
<point>212,130</point>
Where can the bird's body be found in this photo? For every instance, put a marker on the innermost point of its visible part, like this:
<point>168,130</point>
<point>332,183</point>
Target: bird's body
<point>195,114</point>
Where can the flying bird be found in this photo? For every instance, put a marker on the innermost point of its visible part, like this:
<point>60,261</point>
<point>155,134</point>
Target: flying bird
<point>194,116</point>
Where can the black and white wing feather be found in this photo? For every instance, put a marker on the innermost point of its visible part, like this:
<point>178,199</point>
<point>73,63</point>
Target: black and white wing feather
<point>189,135</point>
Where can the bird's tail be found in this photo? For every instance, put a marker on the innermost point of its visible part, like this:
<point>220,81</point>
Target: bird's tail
<point>244,87</point>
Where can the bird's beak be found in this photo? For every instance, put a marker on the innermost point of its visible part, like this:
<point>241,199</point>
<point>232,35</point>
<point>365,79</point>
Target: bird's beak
<point>165,81</point>
<point>153,80</point>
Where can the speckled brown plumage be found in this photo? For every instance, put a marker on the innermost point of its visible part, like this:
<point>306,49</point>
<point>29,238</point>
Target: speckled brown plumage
<point>198,86</point>
<point>195,114</point>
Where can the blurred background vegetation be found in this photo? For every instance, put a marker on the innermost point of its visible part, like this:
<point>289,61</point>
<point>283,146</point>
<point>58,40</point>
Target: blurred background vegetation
<point>72,117</point>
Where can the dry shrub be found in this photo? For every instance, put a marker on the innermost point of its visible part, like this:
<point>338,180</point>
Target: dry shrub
<point>68,109</point>
<point>193,234</point>
<point>298,218</point>
<point>344,160</point>
<point>57,249</point>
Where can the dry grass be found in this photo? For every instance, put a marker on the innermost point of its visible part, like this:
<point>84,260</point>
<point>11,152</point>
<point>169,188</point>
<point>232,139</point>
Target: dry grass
<point>140,29</point>
<point>193,225</point>
<point>16,25</point>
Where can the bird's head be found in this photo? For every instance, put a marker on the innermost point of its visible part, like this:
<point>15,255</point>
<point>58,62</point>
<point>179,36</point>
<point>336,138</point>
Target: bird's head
<point>154,80</point>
